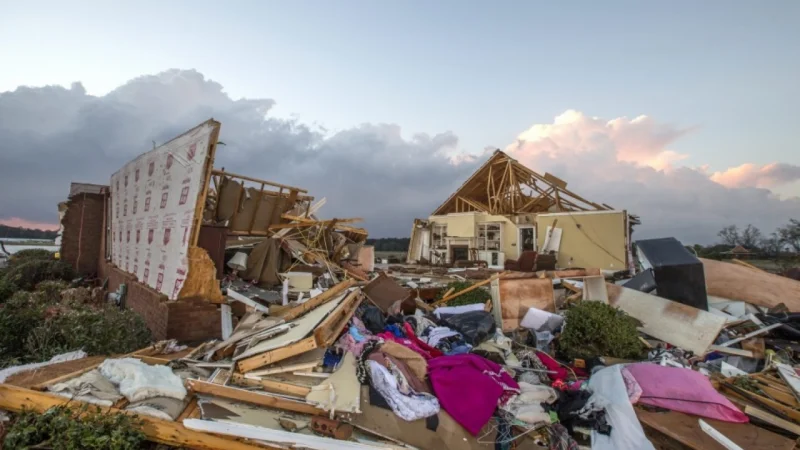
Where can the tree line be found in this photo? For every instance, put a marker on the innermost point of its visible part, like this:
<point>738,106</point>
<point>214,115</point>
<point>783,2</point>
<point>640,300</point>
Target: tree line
<point>785,239</point>
<point>26,233</point>
<point>389,244</point>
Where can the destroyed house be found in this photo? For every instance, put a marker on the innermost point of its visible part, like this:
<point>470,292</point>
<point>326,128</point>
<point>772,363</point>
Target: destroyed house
<point>506,211</point>
<point>170,228</point>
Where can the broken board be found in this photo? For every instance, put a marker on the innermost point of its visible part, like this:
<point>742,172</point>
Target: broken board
<point>515,296</point>
<point>734,282</point>
<point>678,324</point>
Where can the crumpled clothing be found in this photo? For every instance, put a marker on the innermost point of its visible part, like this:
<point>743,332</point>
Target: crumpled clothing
<point>413,343</point>
<point>560,438</point>
<point>395,330</point>
<point>470,388</point>
<point>528,359</point>
<point>552,365</point>
<point>362,368</point>
<point>415,362</point>
<point>433,335</point>
<point>408,407</point>
<point>421,323</point>
<point>527,406</point>
<point>631,385</point>
<point>357,334</point>
<point>581,408</point>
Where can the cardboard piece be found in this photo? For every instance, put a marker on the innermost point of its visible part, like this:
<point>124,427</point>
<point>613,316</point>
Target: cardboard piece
<point>734,282</point>
<point>384,291</point>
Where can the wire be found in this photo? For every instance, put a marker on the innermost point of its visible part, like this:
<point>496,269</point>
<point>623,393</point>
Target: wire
<point>580,227</point>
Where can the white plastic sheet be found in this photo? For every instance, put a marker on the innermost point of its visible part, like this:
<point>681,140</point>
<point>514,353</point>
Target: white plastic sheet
<point>153,200</point>
<point>626,431</point>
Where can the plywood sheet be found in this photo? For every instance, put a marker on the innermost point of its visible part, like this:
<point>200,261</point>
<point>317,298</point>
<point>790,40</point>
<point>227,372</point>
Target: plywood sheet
<point>734,282</point>
<point>301,328</point>
<point>517,295</point>
<point>686,430</point>
<point>678,324</point>
<point>383,291</point>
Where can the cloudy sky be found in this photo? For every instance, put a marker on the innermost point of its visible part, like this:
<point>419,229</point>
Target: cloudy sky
<point>686,113</point>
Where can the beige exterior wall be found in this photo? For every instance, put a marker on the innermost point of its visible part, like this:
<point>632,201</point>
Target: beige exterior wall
<point>589,239</point>
<point>465,226</point>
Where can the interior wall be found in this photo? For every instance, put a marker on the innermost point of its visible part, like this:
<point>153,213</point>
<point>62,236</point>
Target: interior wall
<point>589,239</point>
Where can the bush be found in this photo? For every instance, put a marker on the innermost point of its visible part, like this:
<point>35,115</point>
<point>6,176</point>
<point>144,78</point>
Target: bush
<point>86,427</point>
<point>6,290</point>
<point>596,329</point>
<point>18,316</point>
<point>31,254</point>
<point>98,331</point>
<point>28,273</point>
<point>476,296</point>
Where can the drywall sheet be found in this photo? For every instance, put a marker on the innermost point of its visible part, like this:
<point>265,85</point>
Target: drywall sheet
<point>366,258</point>
<point>734,282</point>
<point>591,239</point>
<point>301,328</point>
<point>678,324</point>
<point>153,202</point>
<point>518,295</point>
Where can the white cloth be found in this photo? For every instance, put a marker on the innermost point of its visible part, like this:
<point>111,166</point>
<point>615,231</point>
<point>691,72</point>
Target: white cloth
<point>538,320</point>
<point>407,407</point>
<point>139,381</point>
<point>436,334</point>
<point>451,310</point>
<point>610,392</point>
<point>527,405</point>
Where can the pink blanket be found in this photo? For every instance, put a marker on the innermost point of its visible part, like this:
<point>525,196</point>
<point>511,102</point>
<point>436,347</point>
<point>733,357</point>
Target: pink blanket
<point>469,388</point>
<point>683,390</point>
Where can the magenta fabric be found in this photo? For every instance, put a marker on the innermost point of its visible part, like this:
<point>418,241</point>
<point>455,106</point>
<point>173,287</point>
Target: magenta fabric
<point>683,390</point>
<point>433,351</point>
<point>469,388</point>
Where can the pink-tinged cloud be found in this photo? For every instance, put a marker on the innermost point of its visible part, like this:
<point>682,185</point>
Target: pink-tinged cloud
<point>752,175</point>
<point>628,164</point>
<point>17,222</point>
<point>640,141</point>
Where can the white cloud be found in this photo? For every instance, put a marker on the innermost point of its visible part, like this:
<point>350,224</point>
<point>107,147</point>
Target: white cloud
<point>50,136</point>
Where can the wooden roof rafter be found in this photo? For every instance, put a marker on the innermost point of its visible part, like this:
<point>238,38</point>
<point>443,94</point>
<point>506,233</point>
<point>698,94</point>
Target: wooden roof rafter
<point>499,187</point>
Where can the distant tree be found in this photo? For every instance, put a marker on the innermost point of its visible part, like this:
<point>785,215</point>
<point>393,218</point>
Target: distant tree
<point>25,233</point>
<point>750,238</point>
<point>389,244</point>
<point>730,235</point>
<point>790,234</point>
<point>772,245</point>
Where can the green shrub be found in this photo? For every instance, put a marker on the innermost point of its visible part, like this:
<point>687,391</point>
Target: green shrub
<point>31,254</point>
<point>27,274</point>
<point>52,288</point>
<point>597,329</point>
<point>6,290</point>
<point>18,316</point>
<point>65,428</point>
<point>98,331</point>
<point>476,296</point>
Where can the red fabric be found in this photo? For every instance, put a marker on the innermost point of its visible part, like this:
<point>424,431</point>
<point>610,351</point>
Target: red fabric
<point>470,388</point>
<point>413,342</point>
<point>683,390</point>
<point>552,365</point>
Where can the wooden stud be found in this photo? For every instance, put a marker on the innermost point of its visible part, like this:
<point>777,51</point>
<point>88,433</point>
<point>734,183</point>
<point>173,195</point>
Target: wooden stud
<point>444,300</point>
<point>330,328</point>
<point>243,395</point>
<point>208,166</point>
<point>279,354</point>
<point>258,205</point>
<point>161,431</point>
<point>277,387</point>
<point>257,180</point>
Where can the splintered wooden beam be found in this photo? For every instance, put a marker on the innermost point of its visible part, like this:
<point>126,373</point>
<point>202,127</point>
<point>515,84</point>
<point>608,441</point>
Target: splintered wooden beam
<point>255,398</point>
<point>444,300</point>
<point>279,354</point>
<point>268,385</point>
<point>319,300</point>
<point>161,431</point>
<point>257,180</point>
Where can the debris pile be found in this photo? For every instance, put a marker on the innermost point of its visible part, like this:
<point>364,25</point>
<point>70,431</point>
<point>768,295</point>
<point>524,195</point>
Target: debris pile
<point>323,348</point>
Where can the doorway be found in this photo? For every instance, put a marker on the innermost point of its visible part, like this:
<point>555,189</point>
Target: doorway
<point>527,240</point>
<point>459,253</point>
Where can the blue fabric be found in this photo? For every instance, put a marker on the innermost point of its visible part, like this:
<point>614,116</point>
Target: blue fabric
<point>458,349</point>
<point>331,359</point>
<point>395,330</point>
<point>356,334</point>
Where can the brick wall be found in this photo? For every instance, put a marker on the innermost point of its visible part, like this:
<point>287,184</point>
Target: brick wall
<point>185,320</point>
<point>81,241</point>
